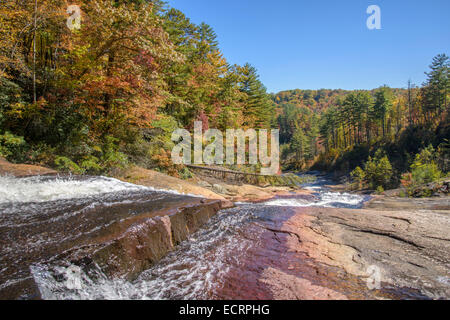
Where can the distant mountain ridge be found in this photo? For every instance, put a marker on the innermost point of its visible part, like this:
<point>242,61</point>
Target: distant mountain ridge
<point>317,100</point>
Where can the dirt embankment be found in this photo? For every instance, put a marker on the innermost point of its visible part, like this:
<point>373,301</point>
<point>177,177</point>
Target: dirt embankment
<point>210,189</point>
<point>162,181</point>
<point>22,170</point>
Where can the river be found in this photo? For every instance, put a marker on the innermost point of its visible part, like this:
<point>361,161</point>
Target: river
<point>232,257</point>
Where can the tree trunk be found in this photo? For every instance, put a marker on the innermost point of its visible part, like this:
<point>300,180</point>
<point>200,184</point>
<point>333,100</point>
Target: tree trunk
<point>34,52</point>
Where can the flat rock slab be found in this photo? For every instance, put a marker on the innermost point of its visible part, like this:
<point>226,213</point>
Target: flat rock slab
<point>409,248</point>
<point>395,203</point>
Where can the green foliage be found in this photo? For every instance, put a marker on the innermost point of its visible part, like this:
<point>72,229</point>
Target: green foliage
<point>258,112</point>
<point>424,169</point>
<point>358,175</point>
<point>91,164</point>
<point>426,156</point>
<point>436,90</point>
<point>380,190</point>
<point>111,157</point>
<point>383,105</point>
<point>299,130</point>
<point>10,95</point>
<point>426,173</point>
<point>65,164</point>
<point>12,146</point>
<point>378,171</point>
<point>99,160</point>
<point>186,173</point>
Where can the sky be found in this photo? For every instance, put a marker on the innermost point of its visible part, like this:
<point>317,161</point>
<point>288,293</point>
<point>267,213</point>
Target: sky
<point>299,44</point>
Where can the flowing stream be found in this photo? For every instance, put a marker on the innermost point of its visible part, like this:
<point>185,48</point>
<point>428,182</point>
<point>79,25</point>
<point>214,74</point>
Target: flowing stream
<point>41,216</point>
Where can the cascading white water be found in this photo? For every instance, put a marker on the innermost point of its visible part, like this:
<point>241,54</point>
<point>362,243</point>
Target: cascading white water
<point>323,199</point>
<point>42,217</point>
<point>193,271</point>
<point>44,189</point>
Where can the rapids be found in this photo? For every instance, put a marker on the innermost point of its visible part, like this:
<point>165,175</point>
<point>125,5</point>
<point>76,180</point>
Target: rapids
<point>209,265</point>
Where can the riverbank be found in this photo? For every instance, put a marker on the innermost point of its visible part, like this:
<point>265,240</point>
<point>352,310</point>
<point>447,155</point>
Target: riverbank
<point>22,170</point>
<point>217,190</point>
<point>210,188</point>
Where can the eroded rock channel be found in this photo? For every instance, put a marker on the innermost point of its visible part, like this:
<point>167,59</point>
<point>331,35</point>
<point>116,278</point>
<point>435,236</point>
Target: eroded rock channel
<point>112,240</point>
<point>121,229</point>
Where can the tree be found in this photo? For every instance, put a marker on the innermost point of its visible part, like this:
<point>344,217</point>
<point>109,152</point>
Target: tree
<point>383,105</point>
<point>378,170</point>
<point>258,112</point>
<point>436,88</point>
<point>207,40</point>
<point>301,147</point>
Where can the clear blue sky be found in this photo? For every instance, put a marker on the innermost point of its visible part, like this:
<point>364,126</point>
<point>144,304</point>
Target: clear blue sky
<point>326,44</point>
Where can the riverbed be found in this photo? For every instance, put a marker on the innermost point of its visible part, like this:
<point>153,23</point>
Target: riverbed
<point>262,250</point>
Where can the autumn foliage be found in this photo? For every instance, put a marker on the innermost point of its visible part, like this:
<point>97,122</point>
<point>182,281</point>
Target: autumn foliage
<point>132,66</point>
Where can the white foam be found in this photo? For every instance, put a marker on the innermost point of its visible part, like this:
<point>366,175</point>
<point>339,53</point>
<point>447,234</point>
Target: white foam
<point>191,272</point>
<point>40,189</point>
<point>325,199</point>
<point>288,203</point>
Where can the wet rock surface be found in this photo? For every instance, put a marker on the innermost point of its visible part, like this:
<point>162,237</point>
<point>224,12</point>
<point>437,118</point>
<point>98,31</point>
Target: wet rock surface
<point>138,243</point>
<point>256,251</point>
<point>121,232</point>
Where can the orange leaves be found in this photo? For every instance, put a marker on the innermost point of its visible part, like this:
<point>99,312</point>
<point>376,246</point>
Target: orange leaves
<point>406,180</point>
<point>163,160</point>
<point>113,62</point>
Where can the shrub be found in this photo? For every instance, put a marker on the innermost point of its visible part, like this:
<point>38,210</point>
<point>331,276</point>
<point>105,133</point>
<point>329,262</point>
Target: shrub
<point>378,171</point>
<point>90,164</point>
<point>426,173</point>
<point>12,146</point>
<point>380,190</point>
<point>67,165</point>
<point>358,175</point>
<point>111,156</point>
<point>185,173</point>
<point>424,168</point>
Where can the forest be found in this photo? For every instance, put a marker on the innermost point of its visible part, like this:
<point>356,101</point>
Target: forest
<point>400,136</point>
<point>112,92</point>
<point>96,99</point>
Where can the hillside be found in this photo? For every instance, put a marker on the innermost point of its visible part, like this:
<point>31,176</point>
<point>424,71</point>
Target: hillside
<point>399,136</point>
